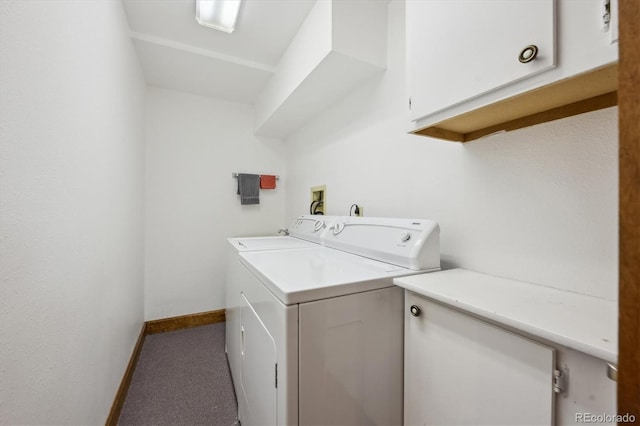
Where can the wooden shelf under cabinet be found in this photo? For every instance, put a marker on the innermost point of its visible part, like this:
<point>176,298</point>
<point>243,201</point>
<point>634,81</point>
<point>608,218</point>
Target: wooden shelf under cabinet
<point>586,92</point>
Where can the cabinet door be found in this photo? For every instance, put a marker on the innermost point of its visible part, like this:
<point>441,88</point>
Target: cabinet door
<point>257,405</point>
<point>461,49</point>
<point>460,370</point>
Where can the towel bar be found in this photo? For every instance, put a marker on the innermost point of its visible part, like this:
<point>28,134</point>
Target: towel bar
<point>235,175</point>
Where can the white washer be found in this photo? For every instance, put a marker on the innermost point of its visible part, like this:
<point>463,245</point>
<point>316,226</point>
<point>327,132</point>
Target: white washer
<point>321,328</point>
<point>304,232</point>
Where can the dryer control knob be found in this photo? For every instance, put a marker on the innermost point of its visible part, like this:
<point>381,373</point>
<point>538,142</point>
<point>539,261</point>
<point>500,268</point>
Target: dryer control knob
<point>337,228</point>
<point>405,236</point>
<point>318,225</point>
<point>415,310</point>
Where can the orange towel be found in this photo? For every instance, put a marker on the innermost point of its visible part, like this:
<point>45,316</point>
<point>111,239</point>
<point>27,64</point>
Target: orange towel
<point>267,182</point>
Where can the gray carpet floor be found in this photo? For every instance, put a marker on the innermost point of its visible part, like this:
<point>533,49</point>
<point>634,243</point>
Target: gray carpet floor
<point>182,378</point>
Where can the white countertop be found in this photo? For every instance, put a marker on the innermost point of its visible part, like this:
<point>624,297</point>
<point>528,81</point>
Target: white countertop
<point>584,323</point>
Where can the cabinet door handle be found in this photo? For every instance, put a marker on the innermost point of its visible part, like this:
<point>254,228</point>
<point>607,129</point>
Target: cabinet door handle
<point>528,54</point>
<point>415,310</point>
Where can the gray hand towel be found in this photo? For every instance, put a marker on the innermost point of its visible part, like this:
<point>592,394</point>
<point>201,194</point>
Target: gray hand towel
<point>249,188</point>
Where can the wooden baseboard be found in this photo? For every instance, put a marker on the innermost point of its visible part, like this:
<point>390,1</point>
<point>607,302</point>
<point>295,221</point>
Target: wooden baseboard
<point>184,321</point>
<point>153,327</point>
<point>121,395</point>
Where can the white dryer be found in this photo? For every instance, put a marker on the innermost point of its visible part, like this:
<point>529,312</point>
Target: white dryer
<point>321,328</point>
<point>304,232</point>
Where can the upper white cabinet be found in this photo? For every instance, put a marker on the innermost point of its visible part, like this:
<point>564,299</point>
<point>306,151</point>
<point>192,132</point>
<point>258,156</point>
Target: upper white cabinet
<point>476,67</point>
<point>466,48</point>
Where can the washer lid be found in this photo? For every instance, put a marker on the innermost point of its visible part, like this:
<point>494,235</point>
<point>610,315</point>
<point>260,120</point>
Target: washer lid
<point>268,243</point>
<point>297,276</point>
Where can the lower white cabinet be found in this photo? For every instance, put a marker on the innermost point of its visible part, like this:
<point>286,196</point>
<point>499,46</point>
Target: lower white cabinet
<point>481,349</point>
<point>460,370</point>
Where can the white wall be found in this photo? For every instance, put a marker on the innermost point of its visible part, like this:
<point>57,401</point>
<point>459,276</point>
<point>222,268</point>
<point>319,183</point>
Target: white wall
<point>194,144</point>
<point>71,200</point>
<point>538,204</point>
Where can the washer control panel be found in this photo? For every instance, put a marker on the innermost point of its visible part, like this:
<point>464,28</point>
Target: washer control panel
<point>310,227</point>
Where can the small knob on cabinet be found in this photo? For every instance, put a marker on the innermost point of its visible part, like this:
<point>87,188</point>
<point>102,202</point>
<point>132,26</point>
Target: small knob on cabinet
<point>415,310</point>
<point>528,54</point>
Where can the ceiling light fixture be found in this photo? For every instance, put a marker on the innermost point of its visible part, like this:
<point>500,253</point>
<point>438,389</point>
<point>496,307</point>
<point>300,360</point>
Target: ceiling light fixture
<point>218,14</point>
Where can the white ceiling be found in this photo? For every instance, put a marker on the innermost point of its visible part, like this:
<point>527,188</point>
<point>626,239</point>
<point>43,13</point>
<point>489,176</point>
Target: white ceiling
<point>178,53</point>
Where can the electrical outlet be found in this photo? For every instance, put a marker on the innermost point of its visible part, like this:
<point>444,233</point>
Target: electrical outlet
<point>318,199</point>
<point>360,211</point>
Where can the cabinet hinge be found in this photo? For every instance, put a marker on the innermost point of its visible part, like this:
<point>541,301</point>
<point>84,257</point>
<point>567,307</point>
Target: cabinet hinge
<point>276,375</point>
<point>612,372</point>
<point>560,379</point>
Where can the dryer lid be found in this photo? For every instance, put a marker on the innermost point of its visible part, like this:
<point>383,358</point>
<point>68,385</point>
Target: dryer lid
<point>297,276</point>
